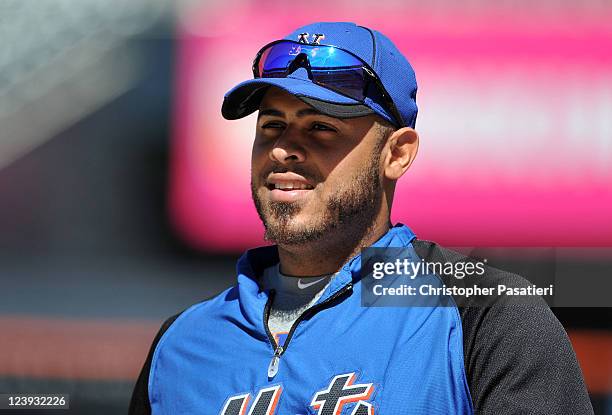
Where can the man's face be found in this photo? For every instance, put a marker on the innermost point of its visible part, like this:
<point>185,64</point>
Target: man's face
<point>313,175</point>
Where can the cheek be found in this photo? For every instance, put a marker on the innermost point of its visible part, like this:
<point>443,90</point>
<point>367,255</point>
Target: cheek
<point>259,159</point>
<point>341,174</point>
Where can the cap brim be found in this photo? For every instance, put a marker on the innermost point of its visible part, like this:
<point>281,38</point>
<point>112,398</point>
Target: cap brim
<point>244,99</point>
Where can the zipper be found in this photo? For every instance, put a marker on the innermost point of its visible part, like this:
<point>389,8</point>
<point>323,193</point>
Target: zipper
<point>279,350</point>
<point>273,366</point>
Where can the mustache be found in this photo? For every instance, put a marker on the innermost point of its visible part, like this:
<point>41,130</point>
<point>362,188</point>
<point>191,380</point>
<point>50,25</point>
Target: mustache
<point>313,177</point>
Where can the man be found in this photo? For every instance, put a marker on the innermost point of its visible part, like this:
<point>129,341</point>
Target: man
<point>335,131</point>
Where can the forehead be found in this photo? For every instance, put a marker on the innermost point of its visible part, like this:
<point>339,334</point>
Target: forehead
<point>279,102</point>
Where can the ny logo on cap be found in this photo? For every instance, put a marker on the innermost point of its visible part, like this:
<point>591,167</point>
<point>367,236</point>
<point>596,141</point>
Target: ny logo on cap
<point>316,38</point>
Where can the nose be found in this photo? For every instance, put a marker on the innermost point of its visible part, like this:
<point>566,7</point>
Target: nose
<point>287,149</point>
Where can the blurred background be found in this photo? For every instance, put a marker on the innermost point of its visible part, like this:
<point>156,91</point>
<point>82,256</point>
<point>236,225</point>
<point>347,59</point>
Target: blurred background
<point>124,195</point>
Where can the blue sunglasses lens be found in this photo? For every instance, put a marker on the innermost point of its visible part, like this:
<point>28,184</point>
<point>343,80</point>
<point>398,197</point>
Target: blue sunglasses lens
<point>278,57</point>
<point>329,67</point>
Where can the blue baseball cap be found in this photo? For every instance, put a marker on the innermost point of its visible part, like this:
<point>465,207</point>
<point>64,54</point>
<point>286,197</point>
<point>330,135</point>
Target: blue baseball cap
<point>393,70</point>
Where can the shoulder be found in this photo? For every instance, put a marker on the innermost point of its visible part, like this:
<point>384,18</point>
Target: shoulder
<point>517,355</point>
<point>198,312</point>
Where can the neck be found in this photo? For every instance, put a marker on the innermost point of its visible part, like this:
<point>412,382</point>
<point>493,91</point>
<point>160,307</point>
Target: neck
<point>329,255</point>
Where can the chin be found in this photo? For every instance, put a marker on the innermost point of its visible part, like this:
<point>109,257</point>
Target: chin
<point>293,231</point>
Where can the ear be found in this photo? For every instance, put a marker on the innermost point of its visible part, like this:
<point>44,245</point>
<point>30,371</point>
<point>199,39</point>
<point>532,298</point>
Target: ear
<point>403,145</point>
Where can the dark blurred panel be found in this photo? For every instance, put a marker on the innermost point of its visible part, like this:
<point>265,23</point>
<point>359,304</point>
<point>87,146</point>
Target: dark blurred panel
<point>98,187</point>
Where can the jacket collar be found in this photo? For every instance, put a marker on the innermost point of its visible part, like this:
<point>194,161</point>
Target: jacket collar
<point>252,263</point>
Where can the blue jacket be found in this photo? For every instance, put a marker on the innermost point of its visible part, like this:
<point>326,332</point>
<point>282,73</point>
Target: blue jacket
<point>218,356</point>
<point>508,357</point>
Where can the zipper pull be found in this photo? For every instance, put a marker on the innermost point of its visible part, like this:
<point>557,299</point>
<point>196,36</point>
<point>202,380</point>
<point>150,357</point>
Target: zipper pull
<point>273,367</point>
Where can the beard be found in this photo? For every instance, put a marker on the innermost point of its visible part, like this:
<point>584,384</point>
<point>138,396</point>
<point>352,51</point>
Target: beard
<point>351,209</point>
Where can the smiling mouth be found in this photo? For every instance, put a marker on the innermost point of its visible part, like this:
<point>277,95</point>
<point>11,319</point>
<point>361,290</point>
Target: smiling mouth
<point>288,186</point>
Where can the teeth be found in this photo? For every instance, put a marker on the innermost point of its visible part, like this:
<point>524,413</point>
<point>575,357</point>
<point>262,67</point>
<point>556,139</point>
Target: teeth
<point>292,186</point>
